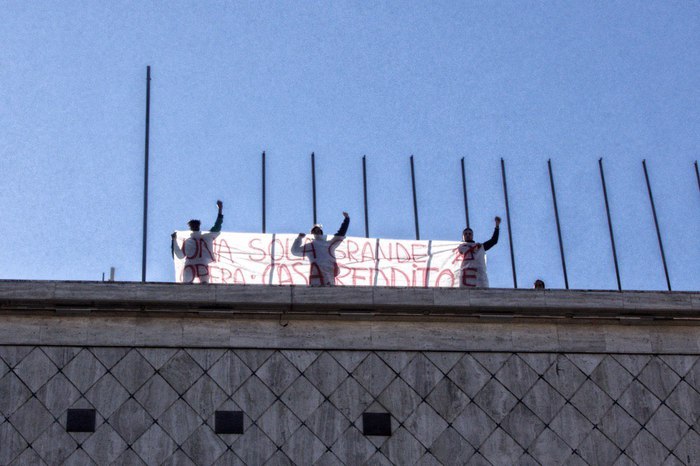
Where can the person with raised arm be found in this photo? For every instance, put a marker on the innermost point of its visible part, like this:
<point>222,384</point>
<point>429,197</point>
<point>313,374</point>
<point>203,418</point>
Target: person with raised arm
<point>197,249</point>
<point>320,251</point>
<point>472,273</point>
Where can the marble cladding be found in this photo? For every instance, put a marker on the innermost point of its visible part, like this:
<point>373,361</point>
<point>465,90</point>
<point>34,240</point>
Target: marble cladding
<point>157,406</point>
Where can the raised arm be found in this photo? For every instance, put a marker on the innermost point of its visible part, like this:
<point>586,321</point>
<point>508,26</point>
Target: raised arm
<point>343,226</point>
<point>297,250</point>
<point>494,238</point>
<point>219,217</point>
<point>175,248</point>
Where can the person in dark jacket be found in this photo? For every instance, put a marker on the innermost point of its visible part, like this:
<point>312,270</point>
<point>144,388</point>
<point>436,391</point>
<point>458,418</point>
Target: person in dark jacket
<point>473,268</point>
<point>321,253</point>
<point>468,236</point>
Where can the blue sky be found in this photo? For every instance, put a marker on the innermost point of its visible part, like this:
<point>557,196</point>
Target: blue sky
<point>523,81</point>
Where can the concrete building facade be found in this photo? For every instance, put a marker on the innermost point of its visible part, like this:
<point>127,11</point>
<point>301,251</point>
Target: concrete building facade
<point>346,375</point>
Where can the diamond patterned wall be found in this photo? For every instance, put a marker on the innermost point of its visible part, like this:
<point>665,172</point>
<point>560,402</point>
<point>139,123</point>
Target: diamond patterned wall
<point>156,406</point>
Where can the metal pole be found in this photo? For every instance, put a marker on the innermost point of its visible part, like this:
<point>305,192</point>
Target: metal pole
<point>612,237</point>
<point>145,175</point>
<point>697,174</point>
<point>263,192</point>
<point>313,182</point>
<point>464,191</point>
<point>510,235</point>
<point>415,199</point>
<point>656,223</point>
<point>556,216</point>
<point>364,185</point>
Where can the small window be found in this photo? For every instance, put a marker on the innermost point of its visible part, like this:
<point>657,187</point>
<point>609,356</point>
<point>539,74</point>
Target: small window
<point>376,424</point>
<point>80,420</point>
<point>228,422</point>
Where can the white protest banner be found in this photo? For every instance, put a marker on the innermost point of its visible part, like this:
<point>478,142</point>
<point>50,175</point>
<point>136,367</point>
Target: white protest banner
<point>286,259</point>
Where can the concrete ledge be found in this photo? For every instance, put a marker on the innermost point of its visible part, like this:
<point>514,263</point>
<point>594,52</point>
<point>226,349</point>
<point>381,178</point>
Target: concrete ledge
<point>576,299</point>
<point>295,333</point>
<point>256,316</point>
<point>121,297</point>
<point>251,295</point>
<point>638,300</point>
<point>406,297</point>
<point>336,297</point>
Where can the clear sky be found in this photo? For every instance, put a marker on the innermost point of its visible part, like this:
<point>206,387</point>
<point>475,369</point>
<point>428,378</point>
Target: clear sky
<point>522,81</point>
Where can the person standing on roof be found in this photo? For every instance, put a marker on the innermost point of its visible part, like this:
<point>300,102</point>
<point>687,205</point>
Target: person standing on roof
<point>197,250</point>
<point>321,253</point>
<point>473,268</point>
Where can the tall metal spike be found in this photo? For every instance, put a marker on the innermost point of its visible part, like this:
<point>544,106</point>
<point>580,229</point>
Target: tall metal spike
<point>656,223</point>
<point>364,186</point>
<point>464,192</point>
<point>313,183</point>
<point>263,192</point>
<point>415,199</point>
<point>610,227</point>
<point>510,234</point>
<point>145,175</point>
<point>556,216</point>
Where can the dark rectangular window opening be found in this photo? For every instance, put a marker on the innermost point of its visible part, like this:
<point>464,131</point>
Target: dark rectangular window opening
<point>228,422</point>
<point>80,420</point>
<point>376,424</point>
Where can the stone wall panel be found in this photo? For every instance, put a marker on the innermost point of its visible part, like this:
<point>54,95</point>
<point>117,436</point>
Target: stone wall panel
<point>156,406</point>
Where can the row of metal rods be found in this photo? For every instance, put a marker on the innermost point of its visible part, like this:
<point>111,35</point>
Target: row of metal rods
<point>415,203</point>
<point>507,206</point>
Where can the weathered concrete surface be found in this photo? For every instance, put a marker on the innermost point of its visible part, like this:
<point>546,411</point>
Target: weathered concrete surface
<point>292,332</point>
<point>172,315</point>
<point>96,296</point>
